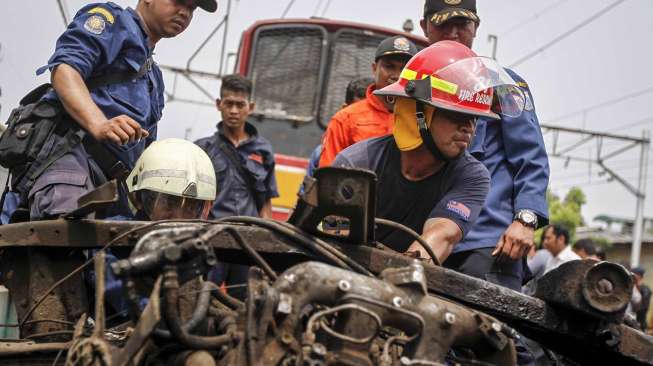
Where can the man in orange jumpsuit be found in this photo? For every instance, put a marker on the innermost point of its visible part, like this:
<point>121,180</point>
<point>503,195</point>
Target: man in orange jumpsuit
<point>371,117</point>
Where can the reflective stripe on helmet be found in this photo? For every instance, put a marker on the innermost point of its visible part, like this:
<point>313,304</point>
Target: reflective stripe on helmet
<point>436,83</point>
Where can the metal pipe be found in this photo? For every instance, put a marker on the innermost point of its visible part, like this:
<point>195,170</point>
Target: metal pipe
<point>199,314</point>
<point>171,315</point>
<point>252,253</point>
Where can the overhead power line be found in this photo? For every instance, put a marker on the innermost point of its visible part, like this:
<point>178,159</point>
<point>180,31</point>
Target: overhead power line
<point>604,104</point>
<point>317,7</point>
<point>567,33</point>
<point>532,18</point>
<point>64,13</point>
<point>326,7</point>
<point>285,12</point>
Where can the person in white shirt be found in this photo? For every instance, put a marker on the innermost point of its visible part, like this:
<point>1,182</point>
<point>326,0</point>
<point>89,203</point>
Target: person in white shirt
<point>556,241</point>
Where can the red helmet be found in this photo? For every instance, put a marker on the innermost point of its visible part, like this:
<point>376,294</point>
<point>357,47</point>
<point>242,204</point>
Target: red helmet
<point>449,75</point>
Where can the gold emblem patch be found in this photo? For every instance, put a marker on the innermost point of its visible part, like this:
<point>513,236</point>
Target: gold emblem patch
<point>402,44</point>
<point>95,24</point>
<point>453,2</point>
<point>104,12</point>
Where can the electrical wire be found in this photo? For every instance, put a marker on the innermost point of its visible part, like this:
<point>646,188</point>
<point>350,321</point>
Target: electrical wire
<point>567,33</point>
<point>411,232</point>
<point>38,302</point>
<point>604,104</point>
<point>317,7</point>
<point>326,7</point>
<point>252,253</point>
<point>314,244</point>
<point>532,18</point>
<point>285,12</point>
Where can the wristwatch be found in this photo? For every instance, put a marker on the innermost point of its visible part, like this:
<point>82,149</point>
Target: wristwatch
<point>527,218</point>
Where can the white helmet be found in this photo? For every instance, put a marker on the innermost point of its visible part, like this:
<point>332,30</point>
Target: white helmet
<point>173,179</point>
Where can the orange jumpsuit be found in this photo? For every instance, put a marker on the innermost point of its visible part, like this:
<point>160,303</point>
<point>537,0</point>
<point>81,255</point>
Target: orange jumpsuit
<point>360,121</point>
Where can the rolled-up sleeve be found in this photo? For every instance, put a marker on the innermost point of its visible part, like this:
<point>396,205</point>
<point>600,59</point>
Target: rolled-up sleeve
<point>526,154</point>
<point>93,38</point>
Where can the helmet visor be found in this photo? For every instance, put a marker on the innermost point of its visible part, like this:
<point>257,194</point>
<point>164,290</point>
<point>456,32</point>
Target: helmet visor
<point>481,83</point>
<point>162,206</point>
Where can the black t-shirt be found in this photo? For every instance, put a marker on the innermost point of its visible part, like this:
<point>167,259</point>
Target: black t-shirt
<point>456,192</point>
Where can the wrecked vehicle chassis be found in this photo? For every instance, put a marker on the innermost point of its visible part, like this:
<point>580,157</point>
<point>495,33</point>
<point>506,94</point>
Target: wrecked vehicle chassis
<point>579,315</point>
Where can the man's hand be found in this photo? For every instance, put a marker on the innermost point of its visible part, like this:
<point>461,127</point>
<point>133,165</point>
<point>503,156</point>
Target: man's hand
<point>119,130</point>
<point>515,242</point>
<point>418,252</point>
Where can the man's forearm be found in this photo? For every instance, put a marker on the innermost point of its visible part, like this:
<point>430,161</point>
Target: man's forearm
<point>441,235</point>
<point>75,97</point>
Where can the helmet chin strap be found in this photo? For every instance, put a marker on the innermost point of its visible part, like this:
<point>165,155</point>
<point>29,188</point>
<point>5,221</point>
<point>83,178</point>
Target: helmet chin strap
<point>424,132</point>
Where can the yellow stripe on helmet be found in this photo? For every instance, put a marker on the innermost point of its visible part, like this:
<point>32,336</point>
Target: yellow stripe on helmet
<point>442,85</point>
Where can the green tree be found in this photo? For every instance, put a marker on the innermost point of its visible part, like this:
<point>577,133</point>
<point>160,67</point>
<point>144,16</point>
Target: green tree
<point>566,212</point>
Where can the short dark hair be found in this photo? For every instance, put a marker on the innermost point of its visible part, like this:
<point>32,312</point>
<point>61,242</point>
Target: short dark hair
<point>237,84</point>
<point>587,245</point>
<point>357,88</point>
<point>559,230</point>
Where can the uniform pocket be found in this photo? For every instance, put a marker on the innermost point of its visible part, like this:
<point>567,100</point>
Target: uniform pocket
<point>133,96</point>
<point>259,173</point>
<point>56,192</point>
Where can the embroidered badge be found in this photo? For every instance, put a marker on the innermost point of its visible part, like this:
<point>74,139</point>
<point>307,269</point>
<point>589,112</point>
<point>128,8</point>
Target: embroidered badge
<point>256,157</point>
<point>453,2</point>
<point>402,44</point>
<point>104,12</point>
<point>95,24</point>
<point>459,209</point>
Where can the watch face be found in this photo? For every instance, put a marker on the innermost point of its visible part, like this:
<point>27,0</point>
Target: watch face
<point>528,217</point>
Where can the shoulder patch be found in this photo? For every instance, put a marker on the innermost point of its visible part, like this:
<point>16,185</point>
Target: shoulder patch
<point>460,209</point>
<point>104,12</point>
<point>522,84</point>
<point>95,24</point>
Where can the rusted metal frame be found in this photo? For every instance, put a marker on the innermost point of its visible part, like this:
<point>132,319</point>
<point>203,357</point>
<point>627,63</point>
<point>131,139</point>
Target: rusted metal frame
<point>530,316</point>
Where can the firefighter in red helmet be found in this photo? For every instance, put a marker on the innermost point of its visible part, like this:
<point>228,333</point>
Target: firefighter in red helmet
<point>440,93</point>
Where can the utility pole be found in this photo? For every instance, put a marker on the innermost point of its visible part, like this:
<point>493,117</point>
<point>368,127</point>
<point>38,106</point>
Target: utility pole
<point>638,230</point>
<point>494,39</point>
<point>624,143</point>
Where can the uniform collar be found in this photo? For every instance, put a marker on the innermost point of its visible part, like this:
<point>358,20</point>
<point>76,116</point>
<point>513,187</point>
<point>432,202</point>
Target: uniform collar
<point>137,18</point>
<point>249,130</point>
<point>375,101</point>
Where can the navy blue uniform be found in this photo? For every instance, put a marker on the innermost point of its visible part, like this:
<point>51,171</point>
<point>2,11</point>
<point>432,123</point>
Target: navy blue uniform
<point>513,151</point>
<point>234,197</point>
<point>102,39</point>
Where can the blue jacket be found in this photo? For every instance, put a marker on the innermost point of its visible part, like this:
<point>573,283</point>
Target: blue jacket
<point>512,149</point>
<point>234,197</point>
<point>103,39</point>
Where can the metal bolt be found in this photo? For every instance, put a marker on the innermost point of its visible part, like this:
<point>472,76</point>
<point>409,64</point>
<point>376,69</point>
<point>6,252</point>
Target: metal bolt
<point>319,350</point>
<point>344,285</point>
<point>497,327</point>
<point>285,304</point>
<point>605,287</point>
<point>450,318</point>
<point>286,338</point>
<point>398,301</point>
<point>172,253</point>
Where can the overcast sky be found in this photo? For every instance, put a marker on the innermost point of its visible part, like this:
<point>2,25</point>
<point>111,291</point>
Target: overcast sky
<point>603,61</point>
